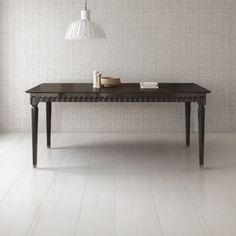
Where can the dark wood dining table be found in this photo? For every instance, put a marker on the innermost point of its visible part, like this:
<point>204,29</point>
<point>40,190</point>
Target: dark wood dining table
<point>186,93</point>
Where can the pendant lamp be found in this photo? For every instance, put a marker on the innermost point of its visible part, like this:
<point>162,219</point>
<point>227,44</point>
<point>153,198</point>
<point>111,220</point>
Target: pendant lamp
<point>84,28</point>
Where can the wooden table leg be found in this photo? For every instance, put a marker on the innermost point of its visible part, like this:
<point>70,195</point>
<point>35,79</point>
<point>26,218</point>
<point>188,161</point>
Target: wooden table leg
<point>48,121</point>
<point>201,126</point>
<point>187,122</point>
<point>34,115</point>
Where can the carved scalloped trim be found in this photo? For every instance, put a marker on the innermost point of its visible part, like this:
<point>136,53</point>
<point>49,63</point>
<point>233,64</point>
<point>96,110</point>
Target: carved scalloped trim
<point>35,100</point>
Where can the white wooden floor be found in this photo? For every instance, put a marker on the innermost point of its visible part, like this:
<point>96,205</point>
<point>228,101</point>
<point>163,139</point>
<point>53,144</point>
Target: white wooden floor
<point>105,185</point>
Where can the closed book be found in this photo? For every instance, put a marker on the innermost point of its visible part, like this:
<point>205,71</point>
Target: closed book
<point>149,85</point>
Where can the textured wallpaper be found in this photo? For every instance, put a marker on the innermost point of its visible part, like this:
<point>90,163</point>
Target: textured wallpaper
<point>152,40</point>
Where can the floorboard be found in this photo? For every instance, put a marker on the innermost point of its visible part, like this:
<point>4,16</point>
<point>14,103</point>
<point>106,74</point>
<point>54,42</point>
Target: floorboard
<point>117,185</point>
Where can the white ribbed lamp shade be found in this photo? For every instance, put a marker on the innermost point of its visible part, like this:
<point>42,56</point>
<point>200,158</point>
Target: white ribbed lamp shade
<point>84,28</point>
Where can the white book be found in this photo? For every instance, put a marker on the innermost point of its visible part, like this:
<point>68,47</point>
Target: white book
<point>149,85</point>
<point>145,87</point>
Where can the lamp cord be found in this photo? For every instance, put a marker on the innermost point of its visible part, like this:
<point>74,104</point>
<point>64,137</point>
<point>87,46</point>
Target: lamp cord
<point>86,7</point>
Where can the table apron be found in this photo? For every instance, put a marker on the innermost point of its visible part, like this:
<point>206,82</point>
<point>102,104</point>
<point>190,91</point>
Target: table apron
<point>35,98</point>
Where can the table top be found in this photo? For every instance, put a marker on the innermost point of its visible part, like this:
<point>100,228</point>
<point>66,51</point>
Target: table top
<point>170,88</point>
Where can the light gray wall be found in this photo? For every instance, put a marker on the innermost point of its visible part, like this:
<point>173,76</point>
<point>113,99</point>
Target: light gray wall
<point>152,40</point>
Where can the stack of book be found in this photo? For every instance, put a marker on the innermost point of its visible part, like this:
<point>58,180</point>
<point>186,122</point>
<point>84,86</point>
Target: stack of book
<point>149,85</point>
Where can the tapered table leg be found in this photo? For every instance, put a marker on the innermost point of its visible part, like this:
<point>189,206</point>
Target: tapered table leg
<point>48,121</point>
<point>201,126</point>
<point>34,115</point>
<point>187,122</point>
